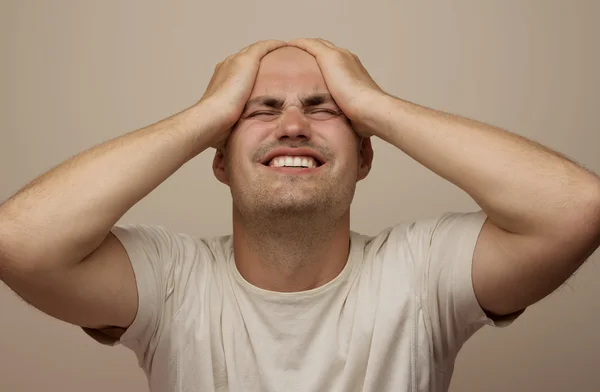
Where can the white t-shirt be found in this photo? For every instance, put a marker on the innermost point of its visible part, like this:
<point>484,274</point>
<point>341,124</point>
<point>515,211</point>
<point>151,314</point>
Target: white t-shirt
<point>393,320</point>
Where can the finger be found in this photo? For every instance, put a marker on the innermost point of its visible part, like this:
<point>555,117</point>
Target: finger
<point>263,42</point>
<point>328,43</point>
<point>261,48</point>
<point>333,46</point>
<point>245,48</point>
<point>311,45</point>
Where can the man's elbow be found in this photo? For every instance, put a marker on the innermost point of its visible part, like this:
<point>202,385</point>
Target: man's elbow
<point>591,208</point>
<point>583,226</point>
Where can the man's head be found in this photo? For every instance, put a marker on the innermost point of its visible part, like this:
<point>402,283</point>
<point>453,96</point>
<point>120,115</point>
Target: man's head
<point>291,113</point>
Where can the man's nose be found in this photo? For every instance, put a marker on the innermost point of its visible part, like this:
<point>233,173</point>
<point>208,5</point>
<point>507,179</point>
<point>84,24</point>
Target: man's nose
<point>293,124</point>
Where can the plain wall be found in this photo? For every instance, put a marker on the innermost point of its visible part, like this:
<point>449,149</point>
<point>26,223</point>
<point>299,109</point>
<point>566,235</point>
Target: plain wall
<point>77,73</point>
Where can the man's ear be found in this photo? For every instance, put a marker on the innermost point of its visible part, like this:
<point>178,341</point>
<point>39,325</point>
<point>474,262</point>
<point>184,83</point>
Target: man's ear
<point>219,167</point>
<point>365,158</point>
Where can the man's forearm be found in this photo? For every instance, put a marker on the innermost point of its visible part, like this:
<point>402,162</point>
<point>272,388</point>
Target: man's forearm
<point>524,188</point>
<point>64,214</point>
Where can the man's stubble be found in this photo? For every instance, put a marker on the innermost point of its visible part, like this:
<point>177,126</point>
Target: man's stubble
<point>292,213</point>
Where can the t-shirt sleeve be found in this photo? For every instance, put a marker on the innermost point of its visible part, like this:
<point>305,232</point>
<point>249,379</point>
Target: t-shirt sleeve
<point>446,245</point>
<point>154,253</point>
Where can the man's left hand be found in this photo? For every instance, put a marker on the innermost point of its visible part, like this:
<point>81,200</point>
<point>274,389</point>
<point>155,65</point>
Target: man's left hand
<point>349,83</point>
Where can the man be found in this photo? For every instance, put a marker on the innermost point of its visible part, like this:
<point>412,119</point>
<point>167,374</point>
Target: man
<point>294,300</point>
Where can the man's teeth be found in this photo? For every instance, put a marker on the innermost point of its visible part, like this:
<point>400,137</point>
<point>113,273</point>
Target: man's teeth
<point>295,161</point>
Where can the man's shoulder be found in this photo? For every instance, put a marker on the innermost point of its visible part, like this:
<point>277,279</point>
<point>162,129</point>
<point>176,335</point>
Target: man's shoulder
<point>396,231</point>
<point>423,227</point>
<point>177,240</point>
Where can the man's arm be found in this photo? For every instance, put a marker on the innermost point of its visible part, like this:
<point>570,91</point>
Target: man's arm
<point>56,250</point>
<point>55,247</point>
<point>543,210</point>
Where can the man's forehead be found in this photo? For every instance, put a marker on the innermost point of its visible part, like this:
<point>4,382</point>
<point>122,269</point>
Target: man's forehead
<point>295,71</point>
<point>289,80</point>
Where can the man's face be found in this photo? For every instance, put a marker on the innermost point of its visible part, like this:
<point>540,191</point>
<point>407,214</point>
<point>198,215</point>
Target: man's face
<point>293,151</point>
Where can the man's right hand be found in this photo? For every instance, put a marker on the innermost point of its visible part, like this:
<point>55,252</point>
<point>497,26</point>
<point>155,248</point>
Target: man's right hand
<point>231,86</point>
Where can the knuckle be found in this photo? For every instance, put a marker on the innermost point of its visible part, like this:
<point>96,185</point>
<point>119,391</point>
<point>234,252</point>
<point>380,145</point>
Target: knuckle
<point>340,54</point>
<point>241,60</point>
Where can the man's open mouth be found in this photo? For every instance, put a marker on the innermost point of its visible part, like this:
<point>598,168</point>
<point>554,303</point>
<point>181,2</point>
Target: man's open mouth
<point>294,161</point>
<point>296,157</point>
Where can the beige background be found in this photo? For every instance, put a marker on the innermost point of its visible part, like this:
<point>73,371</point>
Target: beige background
<point>76,73</point>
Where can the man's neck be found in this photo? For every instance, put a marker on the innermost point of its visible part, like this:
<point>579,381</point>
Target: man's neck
<point>291,255</point>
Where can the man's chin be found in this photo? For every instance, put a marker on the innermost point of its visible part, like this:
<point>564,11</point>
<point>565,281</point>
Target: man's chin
<point>292,206</point>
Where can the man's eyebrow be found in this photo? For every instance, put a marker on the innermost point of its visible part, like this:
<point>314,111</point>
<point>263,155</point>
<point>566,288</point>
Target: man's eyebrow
<point>266,100</point>
<point>278,103</point>
<point>316,99</point>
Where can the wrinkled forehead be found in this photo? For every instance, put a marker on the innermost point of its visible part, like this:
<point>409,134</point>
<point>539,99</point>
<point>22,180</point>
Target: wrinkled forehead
<point>288,73</point>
